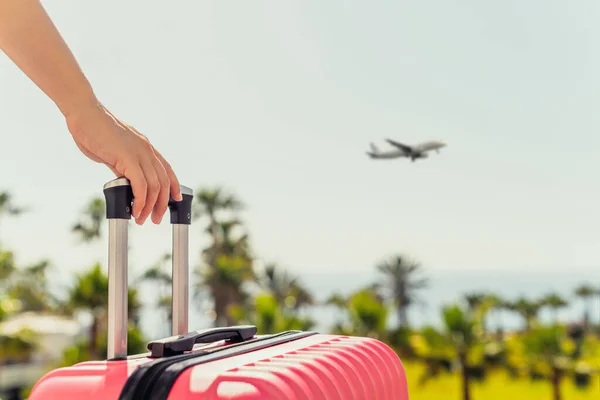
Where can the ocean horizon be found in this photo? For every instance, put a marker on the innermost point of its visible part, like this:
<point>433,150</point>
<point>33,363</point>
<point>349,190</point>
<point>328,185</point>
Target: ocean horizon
<point>445,287</point>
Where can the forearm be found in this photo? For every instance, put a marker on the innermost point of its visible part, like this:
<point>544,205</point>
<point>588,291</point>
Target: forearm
<point>30,39</point>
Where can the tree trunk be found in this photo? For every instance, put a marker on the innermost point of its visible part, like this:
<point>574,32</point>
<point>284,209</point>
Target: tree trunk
<point>402,317</point>
<point>220,305</point>
<point>586,318</point>
<point>527,324</point>
<point>466,380</point>
<point>94,338</point>
<point>500,326</point>
<point>556,384</point>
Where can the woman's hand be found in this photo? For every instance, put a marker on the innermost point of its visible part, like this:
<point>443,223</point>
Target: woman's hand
<point>30,39</point>
<point>105,139</point>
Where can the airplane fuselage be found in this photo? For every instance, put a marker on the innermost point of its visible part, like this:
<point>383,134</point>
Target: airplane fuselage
<point>396,154</point>
<point>413,152</point>
<point>387,154</point>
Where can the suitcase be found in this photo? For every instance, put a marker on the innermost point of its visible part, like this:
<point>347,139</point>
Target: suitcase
<point>235,363</point>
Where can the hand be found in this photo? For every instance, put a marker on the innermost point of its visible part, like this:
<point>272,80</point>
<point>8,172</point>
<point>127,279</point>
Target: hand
<point>105,139</point>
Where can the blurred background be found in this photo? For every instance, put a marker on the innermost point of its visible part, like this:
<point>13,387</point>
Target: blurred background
<point>478,265</point>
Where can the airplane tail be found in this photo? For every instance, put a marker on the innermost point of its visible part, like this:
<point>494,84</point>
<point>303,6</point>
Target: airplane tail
<point>374,148</point>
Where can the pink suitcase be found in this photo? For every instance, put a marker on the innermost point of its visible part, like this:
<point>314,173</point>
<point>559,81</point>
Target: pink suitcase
<point>232,363</point>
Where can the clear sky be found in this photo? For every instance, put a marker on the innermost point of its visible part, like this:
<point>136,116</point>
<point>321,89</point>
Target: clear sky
<point>278,101</point>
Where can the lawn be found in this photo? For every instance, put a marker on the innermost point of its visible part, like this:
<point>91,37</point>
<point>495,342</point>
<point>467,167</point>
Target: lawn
<point>496,387</point>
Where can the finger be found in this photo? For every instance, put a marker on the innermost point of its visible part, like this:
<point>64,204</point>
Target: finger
<point>175,186</point>
<point>174,182</point>
<point>153,188</point>
<point>139,186</point>
<point>163,197</point>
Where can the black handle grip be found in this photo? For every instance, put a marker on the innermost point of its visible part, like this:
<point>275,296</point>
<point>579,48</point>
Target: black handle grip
<point>119,198</point>
<point>175,345</point>
<point>181,211</point>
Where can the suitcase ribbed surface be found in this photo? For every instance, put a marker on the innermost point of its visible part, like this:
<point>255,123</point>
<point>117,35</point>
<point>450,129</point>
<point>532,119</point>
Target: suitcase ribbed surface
<point>315,367</point>
<point>342,368</point>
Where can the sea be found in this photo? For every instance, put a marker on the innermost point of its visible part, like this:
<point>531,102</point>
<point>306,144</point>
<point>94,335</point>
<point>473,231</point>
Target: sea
<point>444,287</point>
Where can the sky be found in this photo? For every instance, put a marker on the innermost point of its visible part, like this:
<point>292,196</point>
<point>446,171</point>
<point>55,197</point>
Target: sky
<point>278,101</point>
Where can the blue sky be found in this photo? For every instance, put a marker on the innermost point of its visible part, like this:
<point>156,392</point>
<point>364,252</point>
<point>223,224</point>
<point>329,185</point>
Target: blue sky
<point>277,101</point>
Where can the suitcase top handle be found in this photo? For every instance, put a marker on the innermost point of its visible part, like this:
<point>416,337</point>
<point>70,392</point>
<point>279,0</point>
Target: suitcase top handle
<point>176,345</point>
<point>119,198</point>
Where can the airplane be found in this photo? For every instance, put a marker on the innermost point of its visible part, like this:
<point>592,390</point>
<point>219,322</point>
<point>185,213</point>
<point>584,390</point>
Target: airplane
<point>413,152</point>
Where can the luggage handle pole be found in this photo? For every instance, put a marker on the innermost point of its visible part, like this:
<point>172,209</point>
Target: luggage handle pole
<point>181,218</point>
<point>119,197</point>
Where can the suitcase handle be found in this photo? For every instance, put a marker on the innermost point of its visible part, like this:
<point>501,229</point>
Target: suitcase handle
<point>175,345</point>
<point>119,197</point>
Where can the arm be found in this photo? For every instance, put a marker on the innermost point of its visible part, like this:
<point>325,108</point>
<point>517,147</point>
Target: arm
<point>30,39</point>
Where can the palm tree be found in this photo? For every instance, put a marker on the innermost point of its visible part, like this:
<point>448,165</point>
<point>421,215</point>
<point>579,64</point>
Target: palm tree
<point>157,274</point>
<point>545,345</point>
<point>227,267</point>
<point>479,301</point>
<point>461,329</point>
<point>90,294</point>
<point>30,286</point>
<point>90,223</point>
<point>555,302</point>
<point>7,266</point>
<point>266,314</point>
<point>497,305</point>
<point>336,300</point>
<point>474,299</point>
<point>401,281</point>
<point>7,206</point>
<point>597,291</point>
<point>224,281</point>
<point>586,292</point>
<point>457,344</point>
<point>227,263</point>
<point>527,309</point>
<point>287,290</point>
<point>165,303</point>
<point>209,202</point>
<point>224,241</point>
<point>366,314</point>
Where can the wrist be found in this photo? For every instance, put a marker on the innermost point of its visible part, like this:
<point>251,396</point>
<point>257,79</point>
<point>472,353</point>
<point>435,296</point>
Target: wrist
<point>78,104</point>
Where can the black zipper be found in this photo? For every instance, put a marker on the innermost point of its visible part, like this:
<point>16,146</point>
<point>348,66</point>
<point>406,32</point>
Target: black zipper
<point>155,379</point>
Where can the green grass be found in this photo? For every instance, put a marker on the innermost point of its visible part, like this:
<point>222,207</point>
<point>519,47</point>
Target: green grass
<point>496,387</point>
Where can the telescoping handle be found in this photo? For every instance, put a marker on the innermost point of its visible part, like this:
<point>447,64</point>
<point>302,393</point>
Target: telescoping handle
<point>119,197</point>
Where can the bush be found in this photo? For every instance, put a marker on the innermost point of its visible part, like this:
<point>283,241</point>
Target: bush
<point>582,376</point>
<point>476,372</point>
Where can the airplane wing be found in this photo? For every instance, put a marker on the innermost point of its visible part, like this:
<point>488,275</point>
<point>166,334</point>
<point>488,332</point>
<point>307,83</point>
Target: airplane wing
<point>403,147</point>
